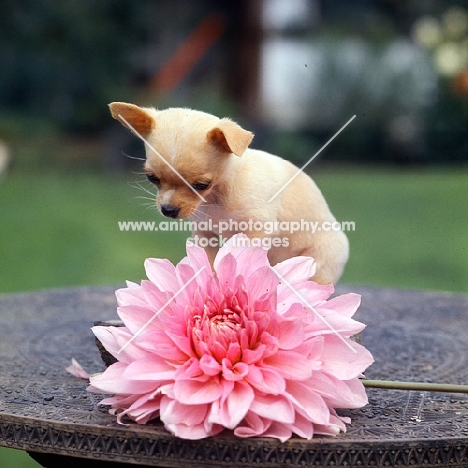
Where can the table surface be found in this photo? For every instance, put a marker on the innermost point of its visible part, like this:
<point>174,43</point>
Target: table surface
<point>413,335</point>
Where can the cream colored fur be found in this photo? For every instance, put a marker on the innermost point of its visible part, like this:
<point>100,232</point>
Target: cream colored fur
<point>202,148</point>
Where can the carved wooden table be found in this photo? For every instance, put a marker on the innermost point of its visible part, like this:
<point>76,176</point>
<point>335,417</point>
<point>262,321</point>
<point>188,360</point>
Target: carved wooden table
<point>413,336</point>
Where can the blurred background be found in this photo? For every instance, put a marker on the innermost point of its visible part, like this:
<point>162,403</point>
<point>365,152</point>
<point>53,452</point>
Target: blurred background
<point>292,71</point>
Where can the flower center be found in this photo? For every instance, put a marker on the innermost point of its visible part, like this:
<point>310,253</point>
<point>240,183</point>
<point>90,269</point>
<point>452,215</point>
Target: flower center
<point>218,329</point>
<point>224,327</point>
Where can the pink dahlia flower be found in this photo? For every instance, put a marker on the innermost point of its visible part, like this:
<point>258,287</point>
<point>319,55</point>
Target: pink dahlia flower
<point>247,347</point>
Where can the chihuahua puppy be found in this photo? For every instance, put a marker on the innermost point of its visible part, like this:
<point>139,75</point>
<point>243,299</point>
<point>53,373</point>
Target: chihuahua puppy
<point>204,170</point>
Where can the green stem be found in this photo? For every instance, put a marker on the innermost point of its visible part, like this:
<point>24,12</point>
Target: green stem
<point>420,386</point>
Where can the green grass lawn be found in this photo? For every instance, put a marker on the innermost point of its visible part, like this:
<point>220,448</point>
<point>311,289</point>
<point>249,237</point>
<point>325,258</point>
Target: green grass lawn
<point>60,229</point>
<point>411,226</point>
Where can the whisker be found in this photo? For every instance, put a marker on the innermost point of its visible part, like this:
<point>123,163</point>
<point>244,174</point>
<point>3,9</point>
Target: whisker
<point>141,197</point>
<point>151,206</point>
<point>196,216</point>
<point>138,186</point>
<point>132,157</point>
<point>199,215</point>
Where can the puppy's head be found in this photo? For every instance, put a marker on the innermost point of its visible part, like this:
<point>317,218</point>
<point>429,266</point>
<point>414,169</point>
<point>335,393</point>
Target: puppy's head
<point>187,152</point>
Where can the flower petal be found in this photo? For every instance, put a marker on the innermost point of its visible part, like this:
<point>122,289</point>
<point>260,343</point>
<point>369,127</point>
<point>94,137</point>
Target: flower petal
<point>252,426</point>
<point>209,365</point>
<point>161,272</point>
<point>196,392</point>
<point>111,381</point>
<point>77,370</point>
<point>234,372</point>
<point>290,333</point>
<point>308,401</point>
<point>226,272</point>
<point>198,260</point>
<point>340,394</point>
<point>296,268</point>
<point>306,293</point>
<point>273,407</point>
<point>195,432</point>
<point>327,321</point>
<point>145,408</point>
<point>151,368</point>
<point>266,380</point>
<point>118,341</point>
<point>130,296</point>
<point>303,427</point>
<point>345,304</point>
<point>235,406</point>
<point>137,318</point>
<point>344,358</point>
<point>248,259</point>
<point>175,412</point>
<point>290,365</point>
<point>262,282</point>
<point>166,348</point>
<point>279,431</point>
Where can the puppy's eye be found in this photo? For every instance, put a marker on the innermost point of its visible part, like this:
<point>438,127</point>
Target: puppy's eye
<point>201,185</point>
<point>153,179</point>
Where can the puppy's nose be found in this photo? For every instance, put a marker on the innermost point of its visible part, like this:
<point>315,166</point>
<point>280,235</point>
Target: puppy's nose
<point>170,211</point>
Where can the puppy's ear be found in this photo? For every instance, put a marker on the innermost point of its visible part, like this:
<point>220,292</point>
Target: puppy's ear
<point>230,137</point>
<point>141,121</point>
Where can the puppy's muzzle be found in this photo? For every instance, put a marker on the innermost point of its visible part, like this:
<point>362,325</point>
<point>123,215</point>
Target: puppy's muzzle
<point>170,211</point>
